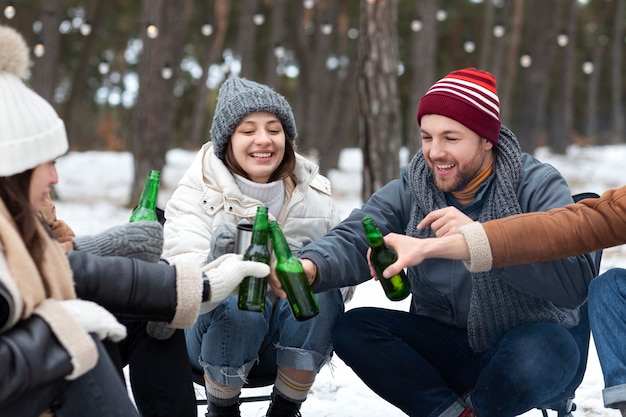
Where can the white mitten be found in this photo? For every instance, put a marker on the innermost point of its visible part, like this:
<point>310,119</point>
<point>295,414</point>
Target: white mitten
<point>95,319</point>
<point>224,275</point>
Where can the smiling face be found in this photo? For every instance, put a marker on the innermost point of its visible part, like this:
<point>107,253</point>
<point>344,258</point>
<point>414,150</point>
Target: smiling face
<point>44,175</point>
<point>258,145</point>
<point>454,153</point>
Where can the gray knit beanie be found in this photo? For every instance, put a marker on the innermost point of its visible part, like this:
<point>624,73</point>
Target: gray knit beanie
<point>237,98</point>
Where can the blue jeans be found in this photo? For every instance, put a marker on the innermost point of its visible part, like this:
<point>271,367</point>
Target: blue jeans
<point>607,317</point>
<point>227,342</point>
<point>424,367</point>
<point>101,392</point>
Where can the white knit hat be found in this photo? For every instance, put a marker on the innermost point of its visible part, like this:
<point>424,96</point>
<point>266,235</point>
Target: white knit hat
<point>31,132</point>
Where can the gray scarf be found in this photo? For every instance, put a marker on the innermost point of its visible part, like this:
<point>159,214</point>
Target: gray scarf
<point>495,306</point>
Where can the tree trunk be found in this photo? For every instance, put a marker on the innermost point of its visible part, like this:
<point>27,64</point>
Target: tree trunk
<point>78,98</point>
<point>617,94</point>
<point>379,113</point>
<point>512,64</point>
<point>212,51</point>
<point>501,45</point>
<point>277,33</point>
<point>246,31</point>
<point>342,106</point>
<point>487,36</point>
<point>530,126</point>
<point>320,86</point>
<point>563,110</point>
<point>593,88</point>
<point>422,69</point>
<point>45,71</point>
<point>154,110</point>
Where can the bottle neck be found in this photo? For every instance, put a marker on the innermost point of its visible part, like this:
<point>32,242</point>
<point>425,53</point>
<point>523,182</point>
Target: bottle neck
<point>372,233</point>
<point>279,243</point>
<point>149,193</point>
<point>260,228</point>
<point>375,241</point>
<point>259,237</point>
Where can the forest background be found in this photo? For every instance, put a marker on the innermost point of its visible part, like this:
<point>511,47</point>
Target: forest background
<point>142,76</point>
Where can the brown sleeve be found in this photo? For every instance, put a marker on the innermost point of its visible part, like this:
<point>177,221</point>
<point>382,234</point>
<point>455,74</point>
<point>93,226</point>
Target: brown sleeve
<point>589,225</point>
<point>60,229</point>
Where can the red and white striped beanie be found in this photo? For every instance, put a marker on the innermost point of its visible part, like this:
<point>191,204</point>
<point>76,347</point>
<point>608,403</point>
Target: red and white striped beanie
<point>468,96</point>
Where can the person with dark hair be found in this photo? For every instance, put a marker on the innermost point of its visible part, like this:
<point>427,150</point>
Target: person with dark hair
<point>158,391</point>
<point>51,355</point>
<point>491,344</point>
<point>251,162</point>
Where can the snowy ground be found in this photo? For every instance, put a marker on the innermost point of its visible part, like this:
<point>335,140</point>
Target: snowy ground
<point>93,190</point>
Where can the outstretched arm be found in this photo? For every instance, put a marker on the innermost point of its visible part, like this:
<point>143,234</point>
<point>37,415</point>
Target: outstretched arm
<point>587,226</point>
<point>412,251</point>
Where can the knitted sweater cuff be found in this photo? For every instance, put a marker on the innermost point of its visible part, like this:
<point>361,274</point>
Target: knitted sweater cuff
<point>90,244</point>
<point>188,296</point>
<point>479,248</point>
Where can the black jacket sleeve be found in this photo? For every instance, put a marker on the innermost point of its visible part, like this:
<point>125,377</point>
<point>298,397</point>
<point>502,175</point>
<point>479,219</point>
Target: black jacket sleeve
<point>30,357</point>
<point>131,289</point>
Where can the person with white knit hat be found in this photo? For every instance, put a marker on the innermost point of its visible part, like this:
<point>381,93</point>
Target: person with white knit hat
<point>492,344</point>
<point>45,347</point>
<point>251,162</point>
<point>53,319</point>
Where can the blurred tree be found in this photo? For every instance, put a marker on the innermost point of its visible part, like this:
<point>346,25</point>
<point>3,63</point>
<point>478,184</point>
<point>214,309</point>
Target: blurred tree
<point>48,49</point>
<point>246,32</point>
<point>313,46</point>
<point>506,88</point>
<point>166,23</point>
<point>277,35</point>
<point>421,66</point>
<point>337,121</point>
<point>379,111</point>
<point>530,119</point>
<point>562,111</point>
<point>79,94</point>
<point>211,51</point>
<point>593,91</point>
<point>617,91</point>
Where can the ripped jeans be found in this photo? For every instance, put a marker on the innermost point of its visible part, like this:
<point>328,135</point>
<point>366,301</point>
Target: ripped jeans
<point>227,343</point>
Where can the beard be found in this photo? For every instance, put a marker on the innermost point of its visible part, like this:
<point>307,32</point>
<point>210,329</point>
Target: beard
<point>453,184</point>
<point>464,174</point>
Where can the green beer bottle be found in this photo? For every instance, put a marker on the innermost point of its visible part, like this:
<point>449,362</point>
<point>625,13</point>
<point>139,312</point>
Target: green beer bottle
<point>145,210</point>
<point>252,290</point>
<point>291,276</point>
<point>396,287</point>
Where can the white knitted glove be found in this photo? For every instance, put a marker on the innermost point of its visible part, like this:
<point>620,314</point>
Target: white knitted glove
<point>95,319</point>
<point>224,275</point>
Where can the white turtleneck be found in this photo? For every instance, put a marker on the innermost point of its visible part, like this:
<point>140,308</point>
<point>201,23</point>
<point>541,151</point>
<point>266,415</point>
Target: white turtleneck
<point>271,194</point>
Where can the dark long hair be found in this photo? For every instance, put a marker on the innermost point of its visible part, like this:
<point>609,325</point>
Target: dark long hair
<point>15,191</point>
<point>284,170</point>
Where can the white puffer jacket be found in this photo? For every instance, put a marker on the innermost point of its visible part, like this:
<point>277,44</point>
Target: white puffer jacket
<point>208,196</point>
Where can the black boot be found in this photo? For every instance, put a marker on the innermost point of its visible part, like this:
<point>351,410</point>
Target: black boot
<point>282,407</point>
<point>228,411</point>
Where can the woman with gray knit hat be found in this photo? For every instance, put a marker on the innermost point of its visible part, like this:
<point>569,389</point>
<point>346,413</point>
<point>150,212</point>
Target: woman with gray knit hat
<point>52,361</point>
<point>251,162</point>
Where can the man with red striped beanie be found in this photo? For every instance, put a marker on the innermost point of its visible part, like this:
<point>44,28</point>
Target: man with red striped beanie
<point>491,344</point>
